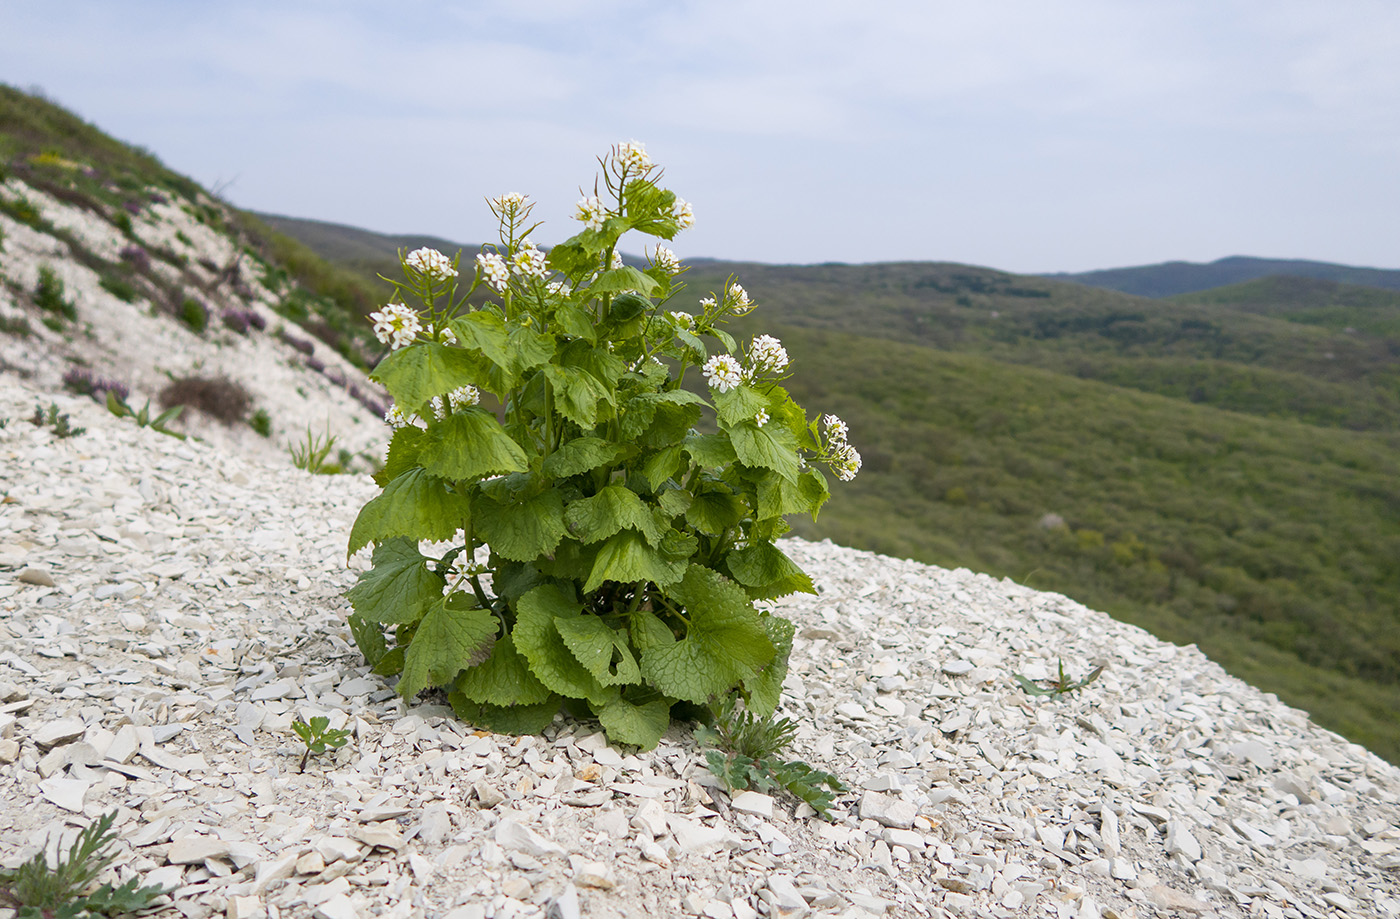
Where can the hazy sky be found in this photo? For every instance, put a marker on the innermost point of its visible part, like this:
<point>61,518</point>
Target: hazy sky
<point>1028,136</point>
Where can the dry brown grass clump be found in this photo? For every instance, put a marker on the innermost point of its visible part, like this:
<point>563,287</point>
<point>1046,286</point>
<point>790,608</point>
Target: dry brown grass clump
<point>220,397</point>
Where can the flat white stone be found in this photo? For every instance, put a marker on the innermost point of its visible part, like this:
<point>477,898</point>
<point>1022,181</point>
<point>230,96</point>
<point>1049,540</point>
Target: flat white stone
<point>66,793</point>
<point>753,802</point>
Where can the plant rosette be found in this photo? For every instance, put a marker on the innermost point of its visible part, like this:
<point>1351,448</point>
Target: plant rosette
<point>630,522</point>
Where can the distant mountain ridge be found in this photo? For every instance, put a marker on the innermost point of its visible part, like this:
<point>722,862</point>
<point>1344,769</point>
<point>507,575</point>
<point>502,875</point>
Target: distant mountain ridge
<point>1169,279</point>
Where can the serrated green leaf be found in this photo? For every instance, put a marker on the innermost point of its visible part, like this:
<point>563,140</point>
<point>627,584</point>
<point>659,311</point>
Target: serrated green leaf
<point>369,638</point>
<point>648,631</point>
<point>765,689</point>
<point>670,424</point>
<point>398,588</point>
<point>415,374</point>
<point>627,559</point>
<point>504,678</point>
<point>611,510</point>
<point>768,447</point>
<point>470,444</point>
<point>713,512</point>
<point>404,447</point>
<point>663,465</point>
<point>724,643</point>
<point>674,501</point>
<point>391,664</point>
<point>578,395</point>
<point>621,279</point>
<point>538,638</point>
<point>777,496</point>
<point>639,725</point>
<point>739,405</point>
<point>575,321</point>
<point>711,451</point>
<point>692,341</point>
<point>582,454</point>
<point>512,719</point>
<point>602,650</point>
<point>449,639</point>
<point>521,530</point>
<point>416,505</point>
<point>767,572</point>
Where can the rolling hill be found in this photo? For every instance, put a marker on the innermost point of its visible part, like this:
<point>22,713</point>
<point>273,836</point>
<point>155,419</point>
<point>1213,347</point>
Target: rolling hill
<point>1168,279</point>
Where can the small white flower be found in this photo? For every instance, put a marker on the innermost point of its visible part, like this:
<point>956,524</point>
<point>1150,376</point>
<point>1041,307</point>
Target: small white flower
<point>761,418</point>
<point>835,429</point>
<point>633,156</point>
<point>616,261</point>
<point>666,260</point>
<point>463,396</point>
<point>590,211</point>
<point>447,336</point>
<point>439,412</point>
<point>845,462</point>
<point>737,299</point>
<point>396,325</point>
<point>431,262</point>
<point>559,288</point>
<point>723,372</point>
<point>529,262</point>
<point>495,270</point>
<point>682,213</point>
<point>767,355</point>
<point>510,201</point>
<point>397,418</point>
<point>707,302</point>
<point>683,319</point>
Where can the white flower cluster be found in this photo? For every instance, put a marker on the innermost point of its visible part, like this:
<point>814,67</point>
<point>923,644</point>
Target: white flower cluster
<point>683,320</point>
<point>458,399</point>
<point>616,261</point>
<point>396,325</point>
<point>682,213</point>
<point>590,211</point>
<point>723,372</point>
<point>447,336</point>
<point>495,270</point>
<point>840,455</point>
<point>508,203</point>
<point>761,418</point>
<point>431,262</point>
<point>397,418</point>
<point>529,262</point>
<point>632,157</point>
<point>767,355</point>
<point>666,260</point>
<point>559,288</point>
<point>737,300</point>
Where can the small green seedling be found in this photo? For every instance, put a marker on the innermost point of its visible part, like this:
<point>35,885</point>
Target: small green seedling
<point>312,454</point>
<point>117,406</point>
<point>746,756</point>
<point>65,890</point>
<point>317,737</point>
<point>1059,686</point>
<point>56,420</point>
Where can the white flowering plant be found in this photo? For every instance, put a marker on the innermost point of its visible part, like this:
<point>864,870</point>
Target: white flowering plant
<point>609,532</point>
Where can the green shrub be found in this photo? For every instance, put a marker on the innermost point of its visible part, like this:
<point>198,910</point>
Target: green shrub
<point>627,549</point>
<point>122,221</point>
<point>194,314</point>
<point>15,325</point>
<point>218,397</point>
<point>119,287</point>
<point>261,422</point>
<point>19,208</point>
<point>49,295</point>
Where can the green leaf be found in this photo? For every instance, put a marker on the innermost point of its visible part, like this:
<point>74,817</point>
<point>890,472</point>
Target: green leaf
<point>766,689</point>
<point>404,447</point>
<point>602,650</point>
<point>510,719</point>
<point>621,279</point>
<point>524,530</point>
<point>778,496</point>
<point>674,501</point>
<point>448,640</point>
<point>369,638</point>
<point>577,394</point>
<point>538,638</point>
<point>504,678</point>
<point>711,451</point>
<point>611,510</point>
<point>415,374</point>
<point>670,424</point>
<point>470,444</point>
<point>627,559</point>
<point>767,572</point>
<point>575,321</point>
<point>391,664</point>
<point>639,725</point>
<point>663,465</point>
<point>713,512</point>
<point>739,405</point>
<point>398,588</point>
<point>582,454</point>
<point>648,631</point>
<point>724,644</point>
<point>416,505</point>
<point>768,447</point>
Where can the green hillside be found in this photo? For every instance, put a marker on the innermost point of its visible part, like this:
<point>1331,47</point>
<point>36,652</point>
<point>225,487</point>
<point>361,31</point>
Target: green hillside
<point>1227,469</point>
<point>1168,279</point>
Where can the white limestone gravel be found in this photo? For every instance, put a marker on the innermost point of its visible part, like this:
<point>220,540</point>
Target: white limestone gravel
<point>192,608</point>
